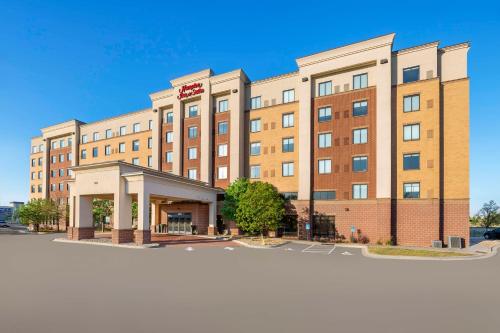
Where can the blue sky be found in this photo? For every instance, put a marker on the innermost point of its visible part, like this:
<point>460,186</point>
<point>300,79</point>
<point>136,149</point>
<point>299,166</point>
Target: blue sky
<point>93,59</point>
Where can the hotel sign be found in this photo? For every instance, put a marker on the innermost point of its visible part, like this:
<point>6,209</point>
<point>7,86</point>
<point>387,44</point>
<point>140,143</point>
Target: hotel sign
<point>190,90</point>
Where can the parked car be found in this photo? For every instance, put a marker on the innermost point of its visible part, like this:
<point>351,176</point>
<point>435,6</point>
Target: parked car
<point>492,234</point>
<point>3,225</point>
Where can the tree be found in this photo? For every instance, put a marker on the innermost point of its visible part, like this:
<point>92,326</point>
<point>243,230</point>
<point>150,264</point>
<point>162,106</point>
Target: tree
<point>101,209</point>
<point>39,211</point>
<point>232,198</point>
<point>135,211</point>
<point>489,214</point>
<point>260,209</point>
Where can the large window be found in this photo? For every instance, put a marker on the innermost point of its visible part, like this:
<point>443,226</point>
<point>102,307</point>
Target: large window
<point>324,195</point>
<point>288,145</point>
<point>288,96</point>
<point>360,108</point>
<point>222,172</point>
<point>324,140</point>
<point>136,127</point>
<point>255,148</point>
<point>255,125</point>
<point>411,103</point>
<point>360,136</point>
<point>324,166</point>
<point>411,132</point>
<point>192,153</point>
<point>325,88</point>
<point>360,191</point>
<point>192,132</point>
<point>169,157</point>
<point>411,161</point>
<point>222,150</point>
<point>121,147</point>
<point>360,81</point>
<point>411,74</point>
<point>123,130</point>
<point>223,106</point>
<point>411,190</point>
<point>287,120</point>
<point>170,117</point>
<point>193,111</point>
<point>222,127</point>
<point>192,174</point>
<point>287,169</point>
<point>324,114</point>
<point>255,102</point>
<point>135,145</point>
<point>170,137</point>
<point>359,163</point>
<point>95,152</point>
<point>255,171</point>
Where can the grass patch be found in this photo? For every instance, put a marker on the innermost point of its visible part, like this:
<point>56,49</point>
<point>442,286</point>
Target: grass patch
<point>394,251</point>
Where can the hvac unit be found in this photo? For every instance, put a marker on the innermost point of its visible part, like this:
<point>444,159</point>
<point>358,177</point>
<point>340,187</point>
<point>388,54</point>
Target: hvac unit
<point>437,244</point>
<point>454,242</point>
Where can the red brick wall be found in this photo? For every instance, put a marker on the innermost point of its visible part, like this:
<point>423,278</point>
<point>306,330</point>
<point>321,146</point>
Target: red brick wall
<point>199,214</point>
<point>456,219</point>
<point>417,221</point>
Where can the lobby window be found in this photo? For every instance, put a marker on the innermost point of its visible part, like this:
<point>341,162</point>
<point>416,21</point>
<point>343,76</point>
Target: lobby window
<point>150,161</point>
<point>123,130</point>
<point>108,133</point>
<point>255,102</point>
<point>192,132</point>
<point>359,108</point>
<point>150,124</point>
<point>360,136</point>
<point>95,152</point>
<point>325,88</point>
<point>411,74</point>
<point>193,111</point>
<point>192,174</point>
<point>287,169</point>
<point>255,125</point>
<point>95,136</point>
<point>169,118</point>
<point>324,166</point>
<point>360,164</point>
<point>135,145</point>
<point>287,120</point>
<point>222,127</point>
<point>288,145</point>
<point>222,150</point>
<point>107,150</point>
<point>411,132</point>
<point>411,190</point>
<point>169,157</point>
<point>324,195</point>
<point>255,171</point>
<point>360,81</point>
<point>33,162</point>
<point>290,195</point>
<point>360,191</point>
<point>325,114</point>
<point>411,103</point>
<point>223,106</point>
<point>136,127</point>
<point>61,172</point>
<point>150,143</point>
<point>411,161</point>
<point>121,147</point>
<point>83,155</point>
<point>192,153</point>
<point>289,96</point>
<point>84,138</point>
<point>170,137</point>
<point>222,172</point>
<point>325,140</point>
<point>255,148</point>
<point>135,161</point>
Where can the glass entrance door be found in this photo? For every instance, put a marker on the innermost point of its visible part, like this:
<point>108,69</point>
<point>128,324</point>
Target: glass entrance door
<point>180,224</point>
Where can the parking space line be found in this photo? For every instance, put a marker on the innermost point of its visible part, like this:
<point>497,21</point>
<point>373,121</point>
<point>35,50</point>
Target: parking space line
<point>307,248</point>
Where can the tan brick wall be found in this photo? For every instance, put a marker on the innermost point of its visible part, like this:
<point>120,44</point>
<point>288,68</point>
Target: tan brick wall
<point>199,214</point>
<point>417,221</point>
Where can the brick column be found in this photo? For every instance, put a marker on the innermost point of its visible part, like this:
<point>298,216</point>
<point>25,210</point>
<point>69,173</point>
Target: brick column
<point>119,236</point>
<point>142,237</point>
<point>75,233</point>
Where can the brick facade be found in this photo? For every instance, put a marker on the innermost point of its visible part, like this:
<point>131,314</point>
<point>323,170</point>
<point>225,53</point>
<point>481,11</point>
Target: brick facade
<point>80,233</point>
<point>456,219</point>
<point>199,214</point>
<point>119,236</point>
<point>142,237</point>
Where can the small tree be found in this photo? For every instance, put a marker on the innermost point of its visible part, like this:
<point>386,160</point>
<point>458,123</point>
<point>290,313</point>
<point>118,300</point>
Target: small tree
<point>32,213</point>
<point>260,209</point>
<point>101,209</point>
<point>488,215</point>
<point>232,198</point>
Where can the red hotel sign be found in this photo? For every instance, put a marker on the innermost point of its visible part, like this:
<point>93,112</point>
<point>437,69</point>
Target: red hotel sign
<point>190,90</point>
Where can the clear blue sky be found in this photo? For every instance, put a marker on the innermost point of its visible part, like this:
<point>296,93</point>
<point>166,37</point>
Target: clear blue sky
<point>94,59</point>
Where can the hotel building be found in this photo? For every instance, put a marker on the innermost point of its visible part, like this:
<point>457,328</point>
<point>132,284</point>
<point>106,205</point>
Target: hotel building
<point>361,138</point>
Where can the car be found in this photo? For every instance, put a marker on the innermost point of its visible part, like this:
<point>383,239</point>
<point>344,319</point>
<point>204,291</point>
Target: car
<point>4,225</point>
<point>492,234</point>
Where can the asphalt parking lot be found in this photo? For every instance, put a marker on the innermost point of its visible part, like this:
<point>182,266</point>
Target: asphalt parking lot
<point>57,287</point>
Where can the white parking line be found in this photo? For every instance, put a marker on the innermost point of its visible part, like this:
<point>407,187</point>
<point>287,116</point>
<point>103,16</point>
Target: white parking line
<point>319,248</point>
<point>307,248</point>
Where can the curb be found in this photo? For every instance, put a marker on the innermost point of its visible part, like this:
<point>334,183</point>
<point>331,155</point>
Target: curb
<point>271,247</point>
<point>493,253</point>
<point>125,246</point>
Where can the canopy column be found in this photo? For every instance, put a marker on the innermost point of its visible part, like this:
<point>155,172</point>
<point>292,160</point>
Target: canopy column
<point>143,233</point>
<point>122,216</point>
<point>212,218</point>
<point>81,226</point>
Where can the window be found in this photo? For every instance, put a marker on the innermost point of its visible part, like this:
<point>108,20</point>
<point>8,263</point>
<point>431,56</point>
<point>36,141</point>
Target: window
<point>135,145</point>
<point>325,140</point>
<point>360,191</point>
<point>192,153</point>
<point>61,172</point>
<point>136,128</point>
<point>70,157</point>
<point>360,81</point>
<point>193,111</point>
<point>288,96</point>
<point>83,154</point>
<point>53,145</point>
<point>360,108</point>
<point>255,148</point>
<point>222,172</point>
<point>360,136</point>
<point>324,195</point>
<point>411,132</point>
<point>32,188</point>
<point>411,161</point>
<point>411,74</point>
<point>324,166</point>
<point>222,127</point>
<point>84,138</point>
<point>150,124</point>
<point>222,150</point>
<point>40,161</point>
<point>61,158</point>
<point>135,161</point>
<point>255,102</point>
<point>290,195</point>
<point>33,175</point>
<point>150,143</point>
<point>411,190</point>
<point>33,162</point>
<point>39,175</point>
<point>150,161</point>
<point>123,130</point>
<point>360,164</point>
<point>53,159</point>
<point>61,187</point>
<point>287,120</point>
<point>255,171</point>
<point>70,142</point>
<point>287,169</point>
<point>121,147</point>
<point>325,88</point>
<point>324,114</point>
<point>192,174</point>
<point>62,143</point>
<point>95,136</point>
<point>411,103</point>
<point>52,173</point>
<point>108,133</point>
<point>95,152</point>
<point>39,188</point>
<point>69,172</point>
<point>107,150</point>
<point>192,132</point>
<point>170,137</point>
<point>288,145</point>
<point>170,117</point>
<point>169,157</point>
<point>223,106</point>
<point>52,187</point>
<point>255,125</point>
